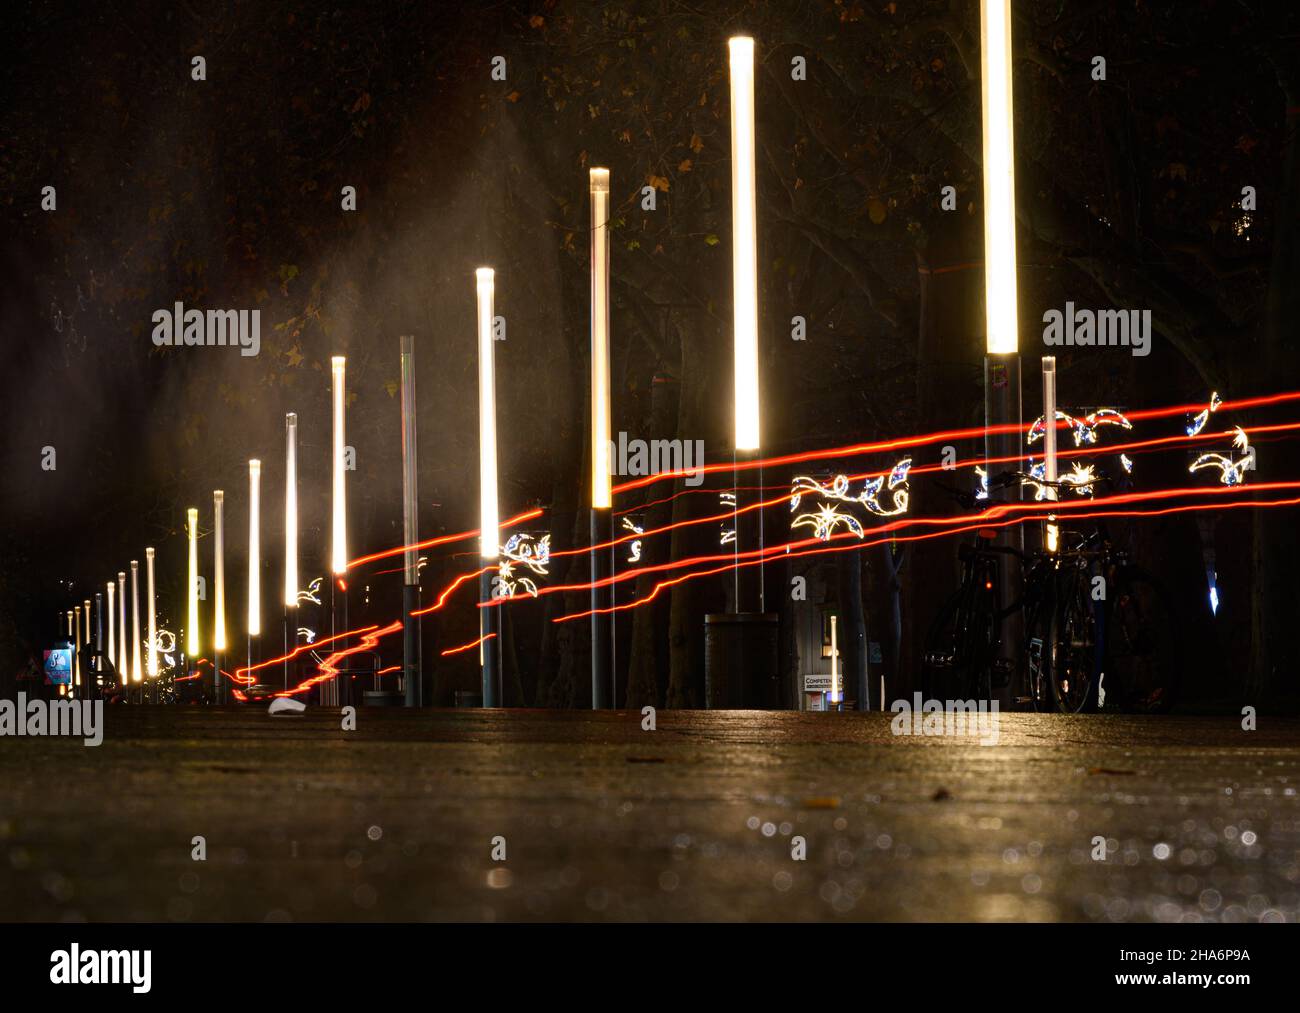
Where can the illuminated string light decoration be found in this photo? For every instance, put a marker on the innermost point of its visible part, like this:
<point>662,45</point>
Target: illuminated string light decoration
<point>137,667</point>
<point>524,550</point>
<point>1002,322</point>
<point>308,634</point>
<point>826,520</point>
<point>1126,463</point>
<point>1081,478</point>
<point>1203,416</point>
<point>1232,470</point>
<point>151,663</point>
<point>339,539</point>
<point>219,571</point>
<point>309,594</point>
<point>727,500</point>
<point>254,547</point>
<point>634,547</point>
<point>895,482</point>
<point>982,488</point>
<point>1083,430</point>
<point>164,642</point>
<point>744,242</point>
<point>291,509</point>
<point>192,588</point>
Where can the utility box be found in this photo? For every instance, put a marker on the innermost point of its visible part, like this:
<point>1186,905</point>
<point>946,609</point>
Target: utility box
<point>740,661</point>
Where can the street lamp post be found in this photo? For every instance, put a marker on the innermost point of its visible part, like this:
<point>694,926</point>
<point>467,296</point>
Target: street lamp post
<point>219,592</point>
<point>192,586</point>
<point>254,560</point>
<point>489,527</point>
<point>602,553</point>
<point>1002,404</point>
<point>290,532</point>
<point>412,677</point>
<point>341,691</point>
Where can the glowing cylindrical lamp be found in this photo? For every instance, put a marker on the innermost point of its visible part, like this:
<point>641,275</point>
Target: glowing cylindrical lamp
<point>137,667</point>
<point>112,624</point>
<point>744,242</point>
<point>76,657</point>
<point>600,482</point>
<point>123,659</point>
<point>290,510</point>
<point>487,419</point>
<point>192,591</point>
<point>85,611</point>
<point>999,178</point>
<point>835,662</point>
<point>1049,442</point>
<point>219,571</point>
<point>339,528</point>
<point>151,657</point>
<point>254,547</point>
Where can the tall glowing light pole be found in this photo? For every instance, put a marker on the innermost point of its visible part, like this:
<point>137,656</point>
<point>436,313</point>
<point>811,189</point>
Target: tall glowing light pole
<point>602,530</point>
<point>219,593</point>
<point>290,532</point>
<point>411,675</point>
<point>99,642</point>
<point>744,281</point>
<point>1050,473</point>
<point>1002,404</point>
<point>137,666</point>
<point>123,658</point>
<point>341,690</point>
<point>192,585</point>
<point>151,656</point>
<point>112,624</point>
<point>76,656</point>
<point>254,556</point>
<point>489,526</point>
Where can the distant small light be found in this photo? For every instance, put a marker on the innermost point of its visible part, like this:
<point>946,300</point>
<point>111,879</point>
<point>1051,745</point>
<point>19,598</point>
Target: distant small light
<point>1214,601</point>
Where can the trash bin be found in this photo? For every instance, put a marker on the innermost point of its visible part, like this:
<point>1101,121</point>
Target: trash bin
<point>740,661</point>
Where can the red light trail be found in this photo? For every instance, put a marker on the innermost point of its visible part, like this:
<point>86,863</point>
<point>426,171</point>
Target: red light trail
<point>467,647</point>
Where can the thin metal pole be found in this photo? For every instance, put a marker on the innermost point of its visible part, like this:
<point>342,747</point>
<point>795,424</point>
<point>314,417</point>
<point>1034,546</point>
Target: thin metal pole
<point>412,677</point>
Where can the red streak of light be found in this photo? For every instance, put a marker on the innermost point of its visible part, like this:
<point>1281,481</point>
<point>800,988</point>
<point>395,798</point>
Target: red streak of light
<point>390,668</point>
<point>994,510</point>
<point>328,669</point>
<point>467,647</point>
<point>855,545</point>
<point>343,585</point>
<point>442,598</point>
<point>245,675</point>
<point>916,441</point>
<point>527,515</point>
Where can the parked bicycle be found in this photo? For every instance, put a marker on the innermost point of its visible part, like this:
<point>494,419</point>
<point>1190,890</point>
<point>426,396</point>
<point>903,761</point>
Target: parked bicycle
<point>1098,630</point>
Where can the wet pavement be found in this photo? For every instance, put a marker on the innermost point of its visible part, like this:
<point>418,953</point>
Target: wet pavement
<point>698,819</point>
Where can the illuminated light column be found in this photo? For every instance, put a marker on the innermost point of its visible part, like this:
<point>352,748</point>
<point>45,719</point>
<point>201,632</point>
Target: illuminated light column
<point>1049,443</point>
<point>123,658</point>
<point>835,695</point>
<point>254,556</point>
<point>489,527</point>
<point>192,586</point>
<point>340,691</point>
<point>290,531</point>
<point>1002,402</point>
<point>151,657</point>
<point>137,666</point>
<point>112,624</point>
<point>99,641</point>
<point>744,281</point>
<point>602,597</point>
<point>219,592</point>
<point>86,669</point>
<point>411,675</point>
<point>76,644</point>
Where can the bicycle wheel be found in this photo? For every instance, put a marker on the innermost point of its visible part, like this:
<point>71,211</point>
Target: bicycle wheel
<point>959,647</point>
<point>1143,646</point>
<point>1070,653</point>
